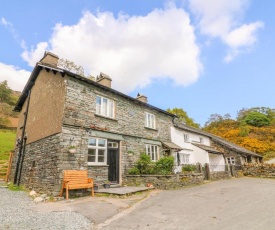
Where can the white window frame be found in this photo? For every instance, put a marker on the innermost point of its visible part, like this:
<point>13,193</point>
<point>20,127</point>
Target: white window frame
<point>186,138</point>
<point>184,158</point>
<point>231,160</point>
<point>96,147</point>
<point>152,151</point>
<point>105,107</point>
<point>150,120</point>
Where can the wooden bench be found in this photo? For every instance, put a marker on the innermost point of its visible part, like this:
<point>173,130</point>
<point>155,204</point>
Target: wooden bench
<point>76,179</point>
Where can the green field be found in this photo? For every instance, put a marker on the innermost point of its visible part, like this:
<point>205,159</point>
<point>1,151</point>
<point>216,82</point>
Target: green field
<point>7,140</point>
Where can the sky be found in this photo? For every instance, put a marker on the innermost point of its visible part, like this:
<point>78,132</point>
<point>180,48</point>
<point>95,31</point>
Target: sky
<point>205,56</point>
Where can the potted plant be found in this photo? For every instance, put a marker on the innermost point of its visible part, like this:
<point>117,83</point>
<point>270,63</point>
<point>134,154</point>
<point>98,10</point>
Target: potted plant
<point>96,187</point>
<point>107,184</point>
<point>72,149</point>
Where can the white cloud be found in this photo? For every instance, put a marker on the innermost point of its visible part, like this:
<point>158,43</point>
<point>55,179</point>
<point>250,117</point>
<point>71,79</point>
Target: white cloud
<point>133,50</point>
<point>222,19</point>
<point>17,78</point>
<point>34,55</point>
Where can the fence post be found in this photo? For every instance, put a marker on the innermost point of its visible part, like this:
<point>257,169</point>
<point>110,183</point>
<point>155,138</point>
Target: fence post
<point>199,167</point>
<point>207,172</point>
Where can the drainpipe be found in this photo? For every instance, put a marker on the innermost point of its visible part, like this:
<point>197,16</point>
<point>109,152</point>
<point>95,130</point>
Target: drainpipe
<point>21,164</point>
<point>22,144</point>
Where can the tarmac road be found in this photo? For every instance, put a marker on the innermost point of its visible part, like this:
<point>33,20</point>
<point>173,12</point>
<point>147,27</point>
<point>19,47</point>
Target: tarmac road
<point>245,203</point>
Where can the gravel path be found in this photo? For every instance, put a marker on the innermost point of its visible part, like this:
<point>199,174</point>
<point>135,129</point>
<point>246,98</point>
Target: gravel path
<point>17,211</point>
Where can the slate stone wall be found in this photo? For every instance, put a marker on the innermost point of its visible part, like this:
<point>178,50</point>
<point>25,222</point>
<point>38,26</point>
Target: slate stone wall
<point>41,170</point>
<point>165,181</point>
<point>259,170</point>
<point>80,108</point>
<point>219,175</point>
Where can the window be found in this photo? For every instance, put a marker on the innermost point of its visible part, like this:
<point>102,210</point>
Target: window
<point>150,121</point>
<point>186,137</point>
<point>105,107</point>
<point>152,151</point>
<point>97,151</point>
<point>201,140</point>
<point>113,145</point>
<point>231,160</point>
<point>184,158</point>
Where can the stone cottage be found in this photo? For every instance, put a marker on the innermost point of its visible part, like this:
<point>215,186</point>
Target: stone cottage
<point>70,122</point>
<point>198,146</point>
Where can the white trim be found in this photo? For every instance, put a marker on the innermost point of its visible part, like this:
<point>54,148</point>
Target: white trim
<point>150,120</point>
<point>152,151</point>
<point>97,147</point>
<point>105,107</point>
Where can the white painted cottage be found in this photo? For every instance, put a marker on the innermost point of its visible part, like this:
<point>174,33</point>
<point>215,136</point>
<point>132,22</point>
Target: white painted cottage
<point>196,148</point>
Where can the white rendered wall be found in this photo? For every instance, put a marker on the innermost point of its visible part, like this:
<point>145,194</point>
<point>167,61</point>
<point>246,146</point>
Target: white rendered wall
<point>196,154</point>
<point>216,162</point>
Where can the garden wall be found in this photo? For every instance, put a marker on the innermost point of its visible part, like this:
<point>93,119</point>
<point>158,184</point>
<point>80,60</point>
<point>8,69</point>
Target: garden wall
<point>219,175</point>
<point>165,181</point>
<point>259,170</point>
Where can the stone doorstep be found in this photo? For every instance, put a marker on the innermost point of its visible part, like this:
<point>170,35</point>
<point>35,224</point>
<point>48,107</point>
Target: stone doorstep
<point>127,190</point>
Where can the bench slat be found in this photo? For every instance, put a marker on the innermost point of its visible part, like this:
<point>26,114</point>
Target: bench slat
<point>76,179</point>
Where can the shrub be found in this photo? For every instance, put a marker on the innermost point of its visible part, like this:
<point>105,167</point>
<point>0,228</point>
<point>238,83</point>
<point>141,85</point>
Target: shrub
<point>145,166</point>
<point>188,168</point>
<point>134,171</point>
<point>164,165</point>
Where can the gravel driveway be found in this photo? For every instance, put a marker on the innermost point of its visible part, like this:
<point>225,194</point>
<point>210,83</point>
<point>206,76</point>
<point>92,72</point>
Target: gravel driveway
<point>18,211</point>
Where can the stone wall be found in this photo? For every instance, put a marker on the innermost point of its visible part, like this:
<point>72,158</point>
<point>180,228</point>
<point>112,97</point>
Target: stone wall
<point>80,110</point>
<point>165,181</point>
<point>41,170</point>
<point>259,170</point>
<point>219,176</point>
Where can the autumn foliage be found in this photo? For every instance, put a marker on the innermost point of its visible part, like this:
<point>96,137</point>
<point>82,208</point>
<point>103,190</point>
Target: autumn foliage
<point>253,129</point>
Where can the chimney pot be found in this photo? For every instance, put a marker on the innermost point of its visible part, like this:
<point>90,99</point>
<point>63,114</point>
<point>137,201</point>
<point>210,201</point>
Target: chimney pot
<point>142,98</point>
<point>50,58</point>
<point>104,79</point>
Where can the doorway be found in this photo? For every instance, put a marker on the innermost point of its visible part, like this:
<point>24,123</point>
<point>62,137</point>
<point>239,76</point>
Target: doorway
<point>113,161</point>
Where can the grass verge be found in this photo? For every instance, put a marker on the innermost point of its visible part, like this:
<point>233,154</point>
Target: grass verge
<point>7,139</point>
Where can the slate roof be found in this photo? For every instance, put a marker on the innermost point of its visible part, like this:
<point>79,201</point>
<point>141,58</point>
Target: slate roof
<point>179,124</point>
<point>39,66</point>
<point>207,148</point>
<point>172,145</point>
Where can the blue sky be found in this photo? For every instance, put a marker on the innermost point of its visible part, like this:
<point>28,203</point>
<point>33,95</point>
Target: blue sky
<point>205,56</point>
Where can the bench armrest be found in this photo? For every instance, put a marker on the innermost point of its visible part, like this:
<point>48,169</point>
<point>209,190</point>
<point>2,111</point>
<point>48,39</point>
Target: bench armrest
<point>90,180</point>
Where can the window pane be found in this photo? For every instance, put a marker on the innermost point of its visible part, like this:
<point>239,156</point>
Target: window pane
<point>91,155</point>
<point>98,105</point>
<point>92,142</point>
<point>101,143</point>
<point>153,121</point>
<point>104,107</point>
<point>101,154</point>
<point>111,108</point>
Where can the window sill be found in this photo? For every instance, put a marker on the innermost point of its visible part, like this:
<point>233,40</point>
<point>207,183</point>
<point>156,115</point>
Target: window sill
<point>109,118</point>
<point>150,128</point>
<point>97,165</point>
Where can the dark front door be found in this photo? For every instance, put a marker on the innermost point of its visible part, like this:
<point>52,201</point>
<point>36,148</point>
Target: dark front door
<point>113,161</point>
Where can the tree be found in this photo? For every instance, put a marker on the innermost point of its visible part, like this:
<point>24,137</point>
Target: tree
<point>257,119</point>
<point>183,116</point>
<point>72,67</point>
<point>6,93</point>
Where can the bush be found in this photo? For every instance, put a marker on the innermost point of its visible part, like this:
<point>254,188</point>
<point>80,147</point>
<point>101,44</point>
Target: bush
<point>145,166</point>
<point>134,171</point>
<point>188,168</point>
<point>164,165</point>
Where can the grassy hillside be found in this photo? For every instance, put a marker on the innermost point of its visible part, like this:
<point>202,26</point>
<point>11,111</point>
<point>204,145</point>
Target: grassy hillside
<point>7,140</point>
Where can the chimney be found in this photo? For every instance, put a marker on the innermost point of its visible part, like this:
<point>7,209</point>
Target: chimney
<point>104,79</point>
<point>142,98</point>
<point>50,59</point>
